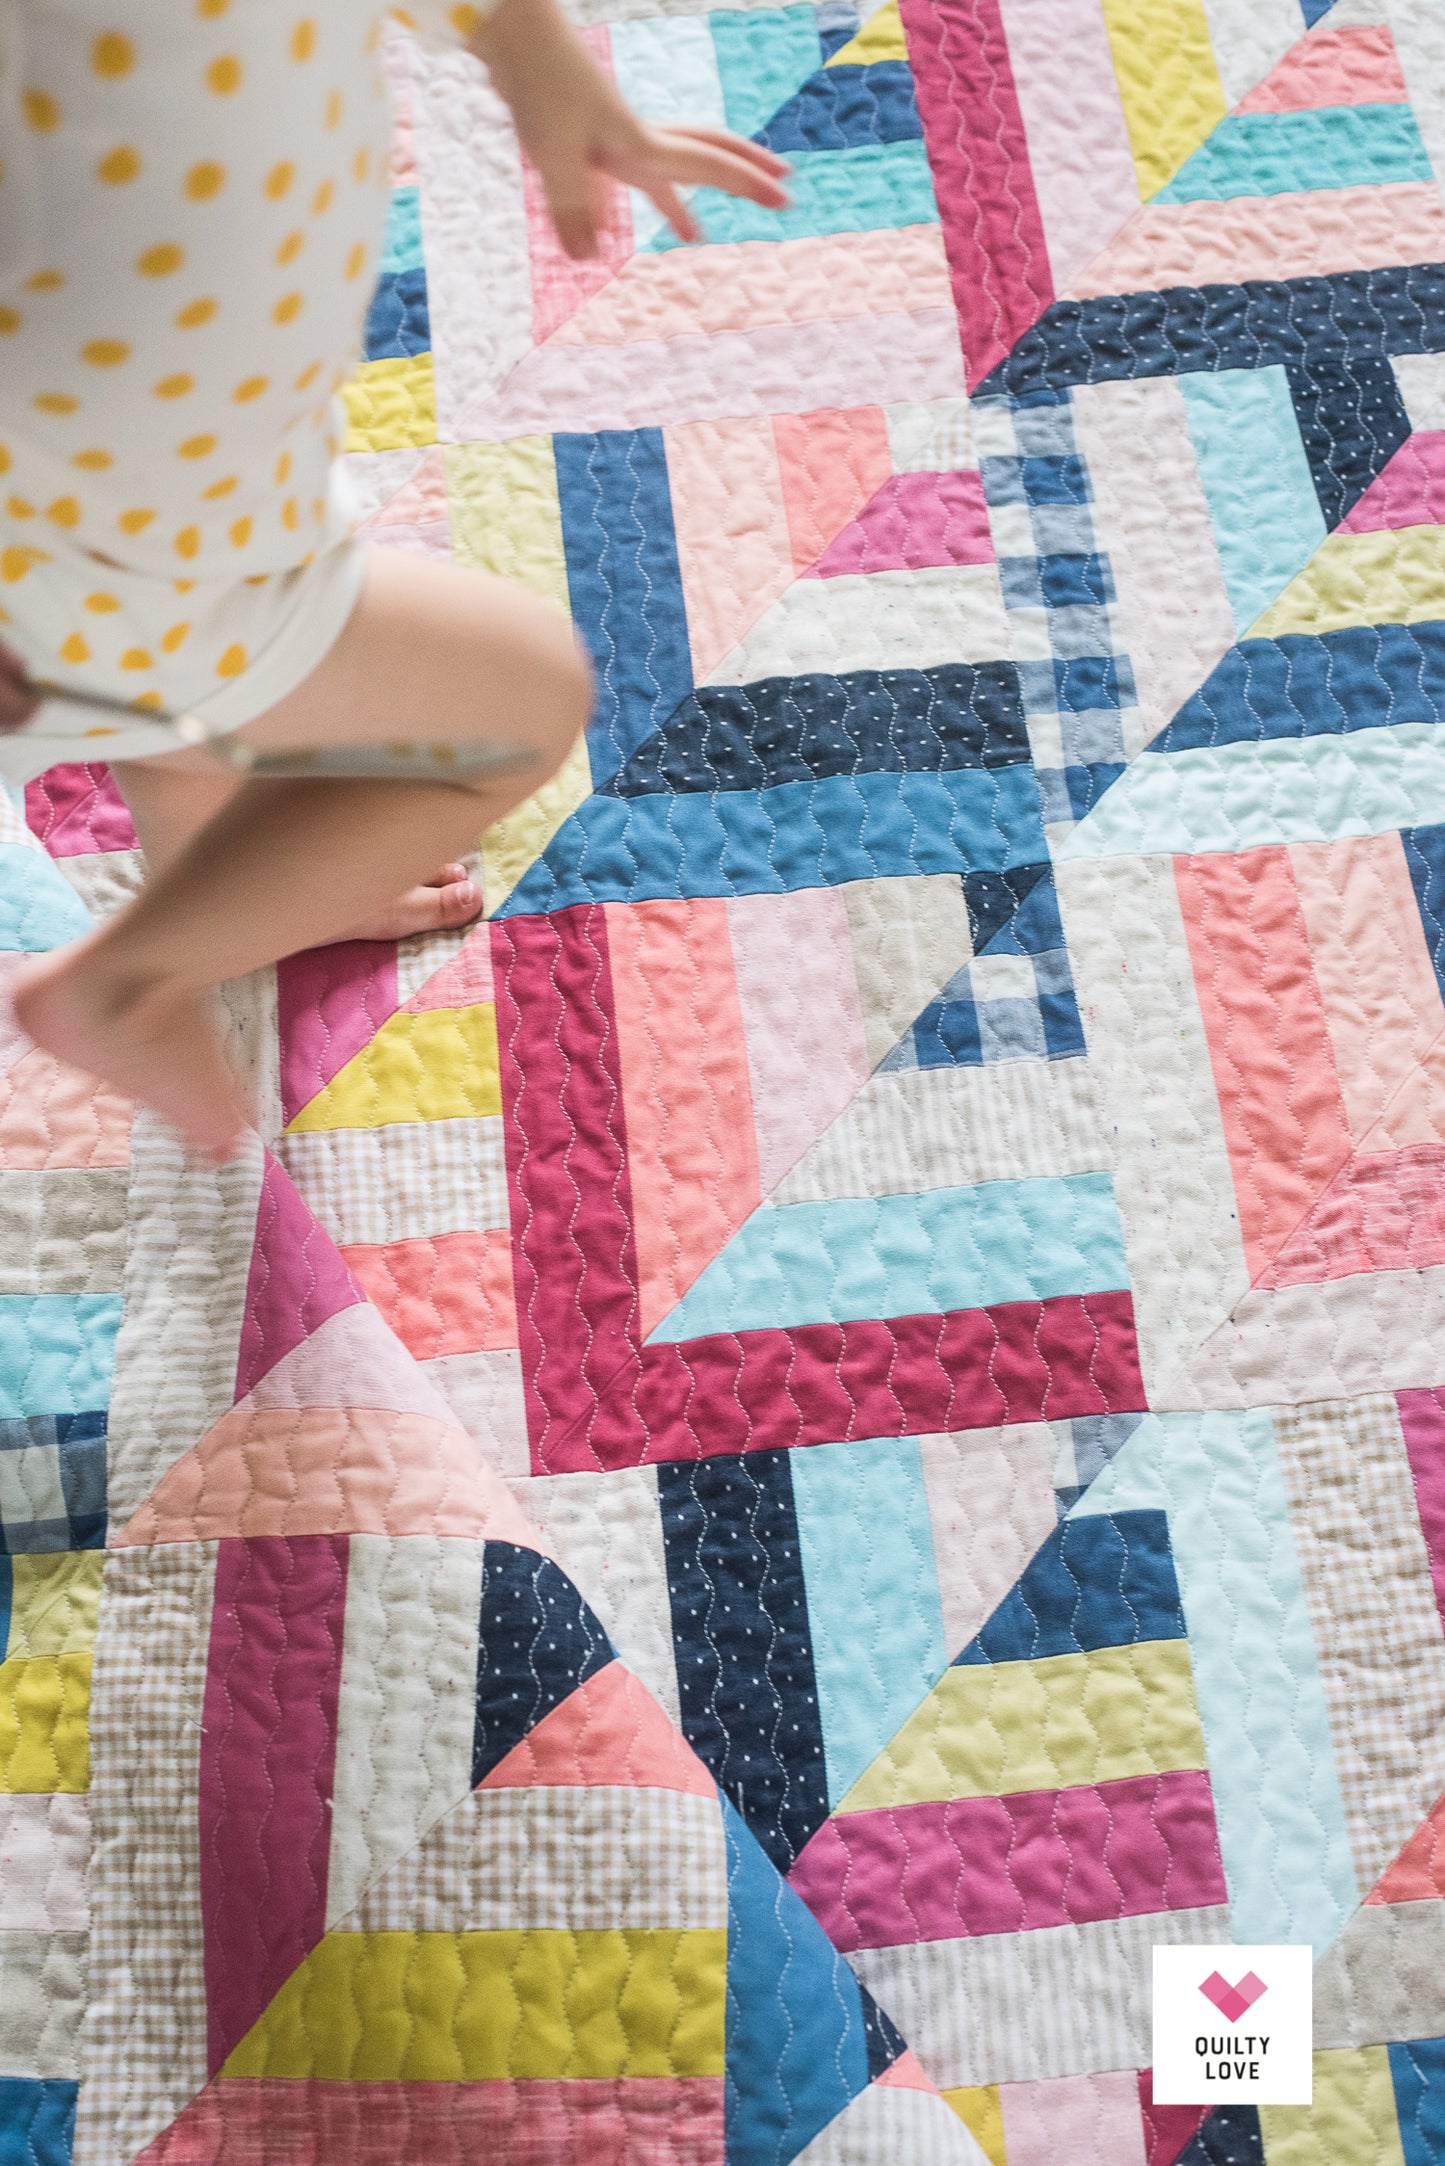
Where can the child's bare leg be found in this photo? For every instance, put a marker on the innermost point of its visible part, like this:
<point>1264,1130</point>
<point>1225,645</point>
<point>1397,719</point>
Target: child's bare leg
<point>169,805</point>
<point>432,651</point>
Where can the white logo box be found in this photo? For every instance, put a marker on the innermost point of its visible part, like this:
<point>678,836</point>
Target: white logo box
<point>1258,2045</point>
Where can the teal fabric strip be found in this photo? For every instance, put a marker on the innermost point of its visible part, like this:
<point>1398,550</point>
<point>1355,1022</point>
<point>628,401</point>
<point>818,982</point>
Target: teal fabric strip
<point>57,1352</point>
<point>1262,503</point>
<point>763,56</point>
<point>833,191</point>
<point>401,249</point>
<point>1272,154</point>
<point>919,1255</point>
<point>1277,1802</point>
<point>1237,797</point>
<point>873,1603</point>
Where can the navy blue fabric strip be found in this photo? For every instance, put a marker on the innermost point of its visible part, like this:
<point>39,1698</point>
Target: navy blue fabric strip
<point>801,729</point>
<point>742,1641</point>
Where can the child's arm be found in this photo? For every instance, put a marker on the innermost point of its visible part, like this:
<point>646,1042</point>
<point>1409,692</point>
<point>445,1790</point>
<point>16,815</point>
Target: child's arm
<point>578,131</point>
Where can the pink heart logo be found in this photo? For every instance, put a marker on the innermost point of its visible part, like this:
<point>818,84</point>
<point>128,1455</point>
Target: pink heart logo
<point>1233,2001</point>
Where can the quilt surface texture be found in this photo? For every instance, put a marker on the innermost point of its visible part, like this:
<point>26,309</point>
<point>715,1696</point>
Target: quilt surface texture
<point>790,1452</point>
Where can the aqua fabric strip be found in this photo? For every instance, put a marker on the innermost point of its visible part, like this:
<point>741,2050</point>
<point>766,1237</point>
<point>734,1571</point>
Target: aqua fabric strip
<point>834,191</point>
<point>873,1600</point>
<point>803,834</point>
<point>1262,502</point>
<point>1271,154</point>
<point>401,249</point>
<point>763,56</point>
<point>39,909</point>
<point>919,1255</point>
<point>1277,1802</point>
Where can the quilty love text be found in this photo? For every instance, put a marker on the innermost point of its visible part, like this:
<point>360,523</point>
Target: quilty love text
<point>1224,2058</point>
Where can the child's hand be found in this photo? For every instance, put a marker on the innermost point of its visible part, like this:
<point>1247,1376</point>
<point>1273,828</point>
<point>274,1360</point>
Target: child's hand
<point>17,702</point>
<point>578,131</point>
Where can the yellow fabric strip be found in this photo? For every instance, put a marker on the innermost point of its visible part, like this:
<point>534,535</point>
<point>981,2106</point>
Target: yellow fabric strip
<point>506,516</point>
<point>54,1602</point>
<point>45,1723</point>
<point>437,1066</point>
<point>881,38</point>
<point>1385,578</point>
<point>390,404</point>
<point>1168,82</point>
<point>1047,1725</point>
<point>517,841</point>
<point>980,2109</point>
<point>1352,2120</point>
<point>473,2007</point>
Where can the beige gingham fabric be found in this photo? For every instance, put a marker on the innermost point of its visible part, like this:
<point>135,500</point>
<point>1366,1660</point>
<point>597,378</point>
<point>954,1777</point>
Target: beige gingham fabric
<point>402,1181</point>
<point>575,1858</point>
<point>144,2042</point>
<point>1380,1646</point>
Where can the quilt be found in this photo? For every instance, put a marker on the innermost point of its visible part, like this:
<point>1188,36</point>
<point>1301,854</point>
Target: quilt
<point>785,1455</point>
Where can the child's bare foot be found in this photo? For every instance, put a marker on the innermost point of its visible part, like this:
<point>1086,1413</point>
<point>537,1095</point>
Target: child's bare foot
<point>149,1042</point>
<point>448,899</point>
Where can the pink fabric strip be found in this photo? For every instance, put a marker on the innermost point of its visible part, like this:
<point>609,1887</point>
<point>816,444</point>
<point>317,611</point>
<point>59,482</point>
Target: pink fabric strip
<point>1417,1875</point>
<point>330,1002</point>
<point>1269,1044</point>
<point>907,1376</point>
<point>442,1293</point>
<point>268,1749</point>
<point>1014,1864</point>
<point>914,521</point>
<point>1289,236</point>
<point>1422,1418</point>
<point>981,173</point>
<point>832,463</point>
<point>1094,2115</point>
<point>574,1259</point>
<point>781,368</point>
<point>1073,116</point>
<point>742,285</point>
<point>313,1470</point>
<point>692,1161</point>
<point>76,808</point>
<point>1383,1211</point>
<point>617,2121</point>
<point>297,1279</point>
<point>1167,2129</point>
<point>1358,66</point>
<point>1409,491</point>
<point>562,283</point>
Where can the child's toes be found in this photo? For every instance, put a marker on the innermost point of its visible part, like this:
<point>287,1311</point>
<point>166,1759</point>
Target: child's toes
<point>458,901</point>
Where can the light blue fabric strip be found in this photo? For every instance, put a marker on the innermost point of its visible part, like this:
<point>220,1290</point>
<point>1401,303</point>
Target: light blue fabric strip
<point>1237,797</point>
<point>919,1255</point>
<point>1272,154</point>
<point>39,908</point>
<point>873,1603</point>
<point>57,1352</point>
<point>1262,503</point>
<point>1277,1802</point>
<point>833,191</point>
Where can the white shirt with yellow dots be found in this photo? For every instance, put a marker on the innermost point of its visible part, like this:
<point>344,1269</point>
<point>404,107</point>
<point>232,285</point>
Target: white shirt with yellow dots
<point>192,199</point>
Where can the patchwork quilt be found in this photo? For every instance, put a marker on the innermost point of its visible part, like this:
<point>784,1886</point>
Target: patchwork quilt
<point>785,1455</point>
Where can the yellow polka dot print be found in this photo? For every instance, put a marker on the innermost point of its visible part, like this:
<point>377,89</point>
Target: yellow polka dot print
<point>169,355</point>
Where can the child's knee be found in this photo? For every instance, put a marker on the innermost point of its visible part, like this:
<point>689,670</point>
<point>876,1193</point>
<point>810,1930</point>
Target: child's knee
<point>565,697</point>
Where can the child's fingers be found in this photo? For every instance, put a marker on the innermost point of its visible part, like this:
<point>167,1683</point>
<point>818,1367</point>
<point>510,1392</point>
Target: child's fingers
<point>571,200</point>
<point>688,163</point>
<point>666,199</point>
<point>741,145</point>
